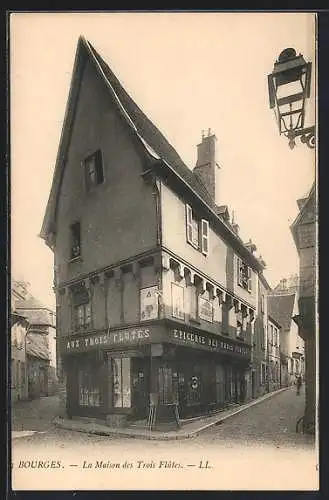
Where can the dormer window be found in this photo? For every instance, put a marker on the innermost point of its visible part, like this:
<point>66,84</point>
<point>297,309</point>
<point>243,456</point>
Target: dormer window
<point>244,276</point>
<point>93,169</point>
<point>197,231</point>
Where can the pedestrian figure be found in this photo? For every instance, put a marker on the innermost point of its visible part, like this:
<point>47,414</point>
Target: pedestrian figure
<point>298,384</point>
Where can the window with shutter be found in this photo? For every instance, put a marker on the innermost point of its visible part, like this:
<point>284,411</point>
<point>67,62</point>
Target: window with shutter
<point>249,279</point>
<point>204,236</point>
<point>239,271</point>
<point>189,224</point>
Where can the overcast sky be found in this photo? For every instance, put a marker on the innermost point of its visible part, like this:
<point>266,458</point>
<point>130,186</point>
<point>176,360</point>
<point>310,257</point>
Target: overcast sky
<point>188,72</point>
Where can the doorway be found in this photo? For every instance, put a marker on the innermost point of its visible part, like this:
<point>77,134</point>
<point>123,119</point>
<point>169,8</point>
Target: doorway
<point>140,373</point>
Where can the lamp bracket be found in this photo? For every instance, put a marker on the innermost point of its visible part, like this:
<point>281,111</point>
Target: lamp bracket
<point>307,136</point>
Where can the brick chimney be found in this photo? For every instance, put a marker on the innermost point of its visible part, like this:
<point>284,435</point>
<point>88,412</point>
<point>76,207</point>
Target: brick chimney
<point>207,168</point>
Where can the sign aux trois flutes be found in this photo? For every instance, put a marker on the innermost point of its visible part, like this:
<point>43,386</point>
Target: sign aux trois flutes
<point>131,336</point>
<point>211,342</point>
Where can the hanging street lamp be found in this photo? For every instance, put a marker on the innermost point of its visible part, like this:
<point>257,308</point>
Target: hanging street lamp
<point>289,86</point>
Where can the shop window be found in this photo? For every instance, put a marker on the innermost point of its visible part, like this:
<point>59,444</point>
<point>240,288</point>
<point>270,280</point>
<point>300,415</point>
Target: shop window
<point>93,166</point>
<point>121,382</point>
<point>89,391</point>
<point>197,231</point>
<point>75,240</point>
<point>244,275</point>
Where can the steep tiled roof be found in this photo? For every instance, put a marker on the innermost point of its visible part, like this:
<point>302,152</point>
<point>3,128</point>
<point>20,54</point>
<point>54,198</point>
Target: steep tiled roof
<point>280,308</point>
<point>151,134</point>
<point>35,312</point>
<point>36,346</point>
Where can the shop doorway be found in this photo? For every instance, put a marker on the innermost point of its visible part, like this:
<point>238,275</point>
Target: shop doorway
<point>140,386</point>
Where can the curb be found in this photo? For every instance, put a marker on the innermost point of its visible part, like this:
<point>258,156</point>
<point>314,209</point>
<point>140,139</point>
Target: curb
<point>238,410</point>
<point>107,431</point>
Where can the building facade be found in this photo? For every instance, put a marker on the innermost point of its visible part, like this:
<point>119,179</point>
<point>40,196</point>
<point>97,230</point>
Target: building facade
<point>40,346</point>
<point>283,306</point>
<point>157,295</point>
<point>273,358</point>
<point>19,326</point>
<point>304,234</point>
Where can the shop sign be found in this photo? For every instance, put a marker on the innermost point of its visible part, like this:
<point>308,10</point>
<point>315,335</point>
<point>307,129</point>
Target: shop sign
<point>149,303</point>
<point>205,309</point>
<point>208,342</point>
<point>131,336</point>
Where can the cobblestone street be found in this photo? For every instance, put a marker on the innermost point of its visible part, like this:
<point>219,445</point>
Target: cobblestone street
<point>263,434</point>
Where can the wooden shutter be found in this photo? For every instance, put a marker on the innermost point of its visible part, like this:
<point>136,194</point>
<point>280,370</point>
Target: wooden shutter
<point>189,225</point>
<point>204,236</point>
<point>249,279</point>
<point>239,277</point>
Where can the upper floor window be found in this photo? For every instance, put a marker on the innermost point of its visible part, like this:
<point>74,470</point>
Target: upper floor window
<point>75,244</point>
<point>93,167</point>
<point>244,276</point>
<point>197,231</point>
<point>82,309</point>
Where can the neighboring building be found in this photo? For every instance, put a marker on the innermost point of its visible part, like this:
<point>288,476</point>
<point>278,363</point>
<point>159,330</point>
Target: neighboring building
<point>156,293</point>
<point>283,307</point>
<point>40,347</point>
<point>259,351</point>
<point>273,354</point>
<point>304,234</point>
<point>19,325</point>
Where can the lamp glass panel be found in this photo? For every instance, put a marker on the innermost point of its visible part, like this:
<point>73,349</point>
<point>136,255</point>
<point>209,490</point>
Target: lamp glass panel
<point>289,89</point>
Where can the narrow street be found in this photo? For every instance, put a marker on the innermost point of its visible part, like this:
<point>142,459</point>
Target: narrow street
<point>258,440</point>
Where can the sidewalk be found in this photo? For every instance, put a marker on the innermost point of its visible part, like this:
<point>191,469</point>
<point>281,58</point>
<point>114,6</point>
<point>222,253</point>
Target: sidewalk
<point>188,430</point>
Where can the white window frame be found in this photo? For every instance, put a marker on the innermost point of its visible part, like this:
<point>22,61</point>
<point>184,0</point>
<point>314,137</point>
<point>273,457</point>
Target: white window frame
<point>197,231</point>
<point>204,236</point>
<point>189,224</point>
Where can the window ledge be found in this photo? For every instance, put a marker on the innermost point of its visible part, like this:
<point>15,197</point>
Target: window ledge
<point>75,259</point>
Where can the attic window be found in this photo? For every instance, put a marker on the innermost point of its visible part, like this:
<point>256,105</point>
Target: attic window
<point>75,235</point>
<point>93,167</point>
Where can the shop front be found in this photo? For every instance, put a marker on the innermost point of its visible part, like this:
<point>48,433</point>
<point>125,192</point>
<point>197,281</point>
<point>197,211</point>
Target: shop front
<point>208,371</point>
<point>109,372</point>
<point>121,371</point>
